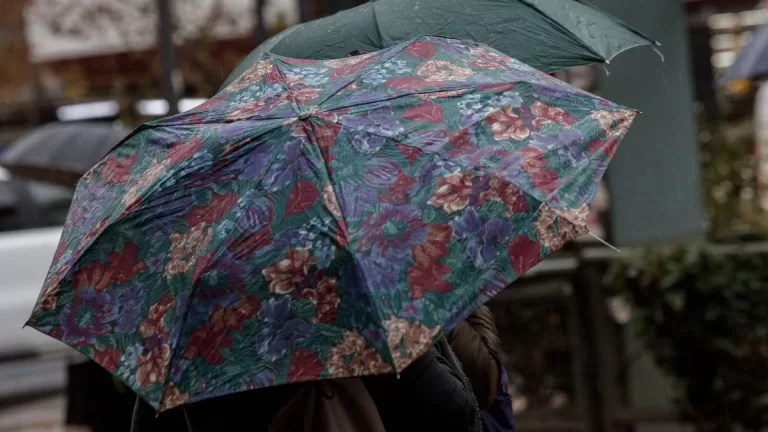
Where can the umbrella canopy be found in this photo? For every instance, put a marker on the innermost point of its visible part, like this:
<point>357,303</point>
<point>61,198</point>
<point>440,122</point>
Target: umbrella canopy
<point>752,61</point>
<point>61,152</point>
<point>322,219</point>
<point>545,34</point>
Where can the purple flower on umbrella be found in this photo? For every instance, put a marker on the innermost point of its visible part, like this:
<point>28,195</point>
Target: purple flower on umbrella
<point>368,143</point>
<point>433,170</point>
<point>393,228</point>
<point>430,141</point>
<point>159,214</point>
<point>378,271</point>
<point>250,161</point>
<point>264,378</point>
<point>289,165</point>
<point>88,210</point>
<point>380,172</point>
<point>88,315</point>
<point>252,213</point>
<point>129,309</point>
<point>484,238</point>
<point>566,146</point>
<point>381,121</point>
<point>315,236</point>
<point>281,329</point>
<point>355,198</point>
<point>361,96</point>
<point>413,310</point>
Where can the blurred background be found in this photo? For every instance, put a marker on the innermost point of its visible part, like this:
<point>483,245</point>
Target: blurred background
<point>670,335</point>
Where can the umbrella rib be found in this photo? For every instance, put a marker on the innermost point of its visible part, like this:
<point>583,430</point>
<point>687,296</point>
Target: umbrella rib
<point>378,318</point>
<point>365,71</point>
<point>559,25</point>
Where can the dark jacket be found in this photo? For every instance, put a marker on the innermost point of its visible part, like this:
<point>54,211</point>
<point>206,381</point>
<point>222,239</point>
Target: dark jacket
<point>430,394</point>
<point>478,348</point>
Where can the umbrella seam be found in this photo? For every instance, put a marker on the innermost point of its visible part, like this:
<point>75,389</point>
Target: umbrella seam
<point>376,25</point>
<point>367,69</point>
<point>378,316</point>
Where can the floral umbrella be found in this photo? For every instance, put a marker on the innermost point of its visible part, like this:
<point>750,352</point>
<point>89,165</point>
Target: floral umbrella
<point>322,219</point>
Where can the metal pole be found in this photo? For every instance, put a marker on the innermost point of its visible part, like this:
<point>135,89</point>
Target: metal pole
<point>304,10</point>
<point>261,27</point>
<point>167,57</point>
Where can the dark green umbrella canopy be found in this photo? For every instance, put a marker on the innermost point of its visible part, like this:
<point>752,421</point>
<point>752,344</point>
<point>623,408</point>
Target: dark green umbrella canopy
<point>549,35</point>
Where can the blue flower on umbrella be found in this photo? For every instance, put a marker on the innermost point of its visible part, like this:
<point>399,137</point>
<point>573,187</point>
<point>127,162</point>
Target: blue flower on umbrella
<point>281,329</point>
<point>368,143</point>
<point>378,271</point>
<point>483,238</point>
<point>88,315</point>
<point>355,199</point>
<point>315,236</point>
<point>381,121</point>
<point>567,146</point>
<point>289,165</point>
<point>129,307</point>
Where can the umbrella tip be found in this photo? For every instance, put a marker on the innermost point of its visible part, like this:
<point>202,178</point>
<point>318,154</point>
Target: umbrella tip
<point>605,243</point>
<point>659,53</point>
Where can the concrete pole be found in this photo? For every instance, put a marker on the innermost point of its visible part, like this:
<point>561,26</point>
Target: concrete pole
<point>167,55</point>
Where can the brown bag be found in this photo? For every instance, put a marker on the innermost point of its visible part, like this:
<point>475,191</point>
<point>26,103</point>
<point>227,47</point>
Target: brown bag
<point>342,405</point>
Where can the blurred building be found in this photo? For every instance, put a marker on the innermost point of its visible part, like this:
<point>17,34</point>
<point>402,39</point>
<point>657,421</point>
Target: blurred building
<point>102,56</point>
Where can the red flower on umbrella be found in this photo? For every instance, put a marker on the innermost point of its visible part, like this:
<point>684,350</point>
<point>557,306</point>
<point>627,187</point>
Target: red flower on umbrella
<point>120,268</point>
<point>173,397</point>
<point>608,147</point>
<point>487,59</point>
<point>326,134</point>
<point>213,211</point>
<point>398,192</point>
<point>502,191</point>
<point>427,274</point>
<point>153,366</point>
<point>153,325</point>
<point>546,114</point>
<point>208,340</point>
<point>290,271</point>
<point>108,359</point>
<point>350,65</point>
<point>304,366</point>
<point>411,154</point>
<point>460,143</point>
<point>185,150</point>
<point>524,253</point>
<point>428,278</point>
<point>324,298</point>
<point>115,170</point>
<point>305,95</point>
<point>453,191</point>
<point>505,124</point>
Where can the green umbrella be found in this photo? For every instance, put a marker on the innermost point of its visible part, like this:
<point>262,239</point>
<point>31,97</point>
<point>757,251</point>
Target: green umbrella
<point>549,35</point>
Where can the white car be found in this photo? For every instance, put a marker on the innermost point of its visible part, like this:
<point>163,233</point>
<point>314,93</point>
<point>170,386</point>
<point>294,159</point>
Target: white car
<point>31,218</point>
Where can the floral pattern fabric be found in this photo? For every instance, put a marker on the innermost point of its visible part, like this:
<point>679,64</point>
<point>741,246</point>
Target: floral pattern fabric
<point>322,219</point>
